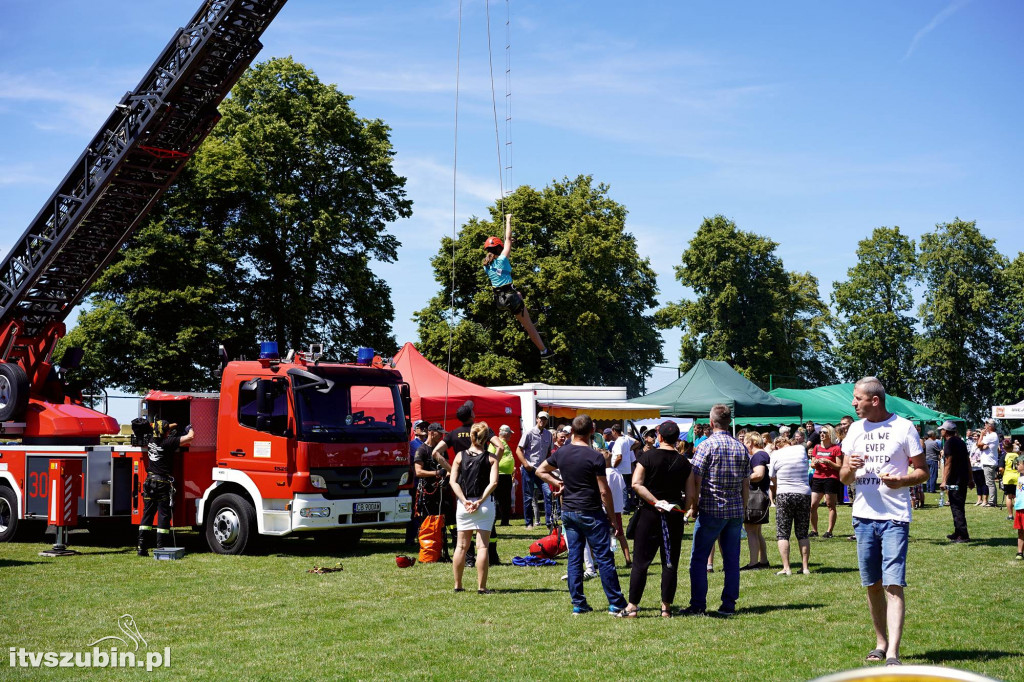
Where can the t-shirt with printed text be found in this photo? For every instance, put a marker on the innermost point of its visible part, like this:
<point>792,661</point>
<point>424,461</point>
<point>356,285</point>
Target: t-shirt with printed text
<point>887,447</point>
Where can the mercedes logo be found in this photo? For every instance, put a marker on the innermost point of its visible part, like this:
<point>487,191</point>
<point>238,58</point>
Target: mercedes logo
<point>366,477</point>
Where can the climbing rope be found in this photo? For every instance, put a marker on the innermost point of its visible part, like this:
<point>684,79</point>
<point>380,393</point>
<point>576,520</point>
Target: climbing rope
<point>503,169</point>
<point>455,175</point>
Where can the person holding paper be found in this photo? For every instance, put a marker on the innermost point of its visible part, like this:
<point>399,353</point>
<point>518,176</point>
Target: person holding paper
<point>661,477</point>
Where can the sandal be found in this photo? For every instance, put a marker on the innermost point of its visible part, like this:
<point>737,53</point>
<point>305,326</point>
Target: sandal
<point>875,655</point>
<point>485,591</point>
<point>666,613</point>
<point>630,613</point>
<point>459,589</point>
<point>892,660</point>
<point>785,572</point>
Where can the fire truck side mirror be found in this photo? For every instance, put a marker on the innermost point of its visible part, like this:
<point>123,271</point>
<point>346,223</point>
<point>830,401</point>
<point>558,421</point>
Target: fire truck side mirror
<point>407,405</point>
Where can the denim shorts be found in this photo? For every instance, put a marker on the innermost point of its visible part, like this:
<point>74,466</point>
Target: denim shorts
<point>882,551</point>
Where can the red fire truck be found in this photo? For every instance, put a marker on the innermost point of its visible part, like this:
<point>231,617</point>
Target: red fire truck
<point>287,445</point>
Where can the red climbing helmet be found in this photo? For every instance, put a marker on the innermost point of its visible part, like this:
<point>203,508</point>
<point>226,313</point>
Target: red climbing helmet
<point>493,242</point>
<point>404,561</point>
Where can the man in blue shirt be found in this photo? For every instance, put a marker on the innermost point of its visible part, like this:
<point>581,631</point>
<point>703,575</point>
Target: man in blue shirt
<point>499,270</point>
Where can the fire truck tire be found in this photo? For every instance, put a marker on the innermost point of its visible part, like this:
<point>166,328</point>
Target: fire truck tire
<point>231,525</point>
<point>9,521</point>
<point>13,392</point>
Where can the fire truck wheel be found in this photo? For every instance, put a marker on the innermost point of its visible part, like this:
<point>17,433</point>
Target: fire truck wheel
<point>13,392</point>
<point>232,525</point>
<point>8,514</point>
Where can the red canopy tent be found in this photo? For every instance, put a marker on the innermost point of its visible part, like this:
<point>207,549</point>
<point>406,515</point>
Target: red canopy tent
<point>437,395</point>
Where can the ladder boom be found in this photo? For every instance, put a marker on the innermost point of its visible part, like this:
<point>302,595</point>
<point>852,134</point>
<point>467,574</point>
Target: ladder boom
<point>128,165</point>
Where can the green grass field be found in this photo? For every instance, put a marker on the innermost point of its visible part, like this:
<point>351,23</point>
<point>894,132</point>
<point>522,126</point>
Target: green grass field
<point>266,617</point>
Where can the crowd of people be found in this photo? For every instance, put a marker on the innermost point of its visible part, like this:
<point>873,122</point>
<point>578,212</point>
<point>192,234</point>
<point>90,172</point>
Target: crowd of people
<point>584,480</point>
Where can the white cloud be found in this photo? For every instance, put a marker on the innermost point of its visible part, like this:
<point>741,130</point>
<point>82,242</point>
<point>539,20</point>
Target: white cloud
<point>73,102</point>
<point>946,13</point>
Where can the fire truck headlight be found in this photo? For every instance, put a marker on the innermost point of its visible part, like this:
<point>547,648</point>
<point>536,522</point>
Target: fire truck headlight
<point>317,481</point>
<point>404,479</point>
<point>315,512</point>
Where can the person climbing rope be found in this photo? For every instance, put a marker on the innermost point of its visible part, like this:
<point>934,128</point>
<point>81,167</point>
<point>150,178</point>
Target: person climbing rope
<point>499,269</point>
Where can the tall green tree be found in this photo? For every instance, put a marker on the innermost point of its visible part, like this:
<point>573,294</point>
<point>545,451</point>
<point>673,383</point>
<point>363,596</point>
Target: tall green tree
<point>805,319</point>
<point>267,235</point>
<point>586,287</point>
<point>749,311</point>
<point>875,328</point>
<point>1009,370</point>
<point>956,352</point>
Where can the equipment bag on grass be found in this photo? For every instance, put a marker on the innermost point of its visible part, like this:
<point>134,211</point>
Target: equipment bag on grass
<point>431,539</point>
<point>549,546</point>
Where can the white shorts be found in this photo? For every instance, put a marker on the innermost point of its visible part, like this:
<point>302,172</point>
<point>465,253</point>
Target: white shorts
<point>481,519</point>
<point>618,487</point>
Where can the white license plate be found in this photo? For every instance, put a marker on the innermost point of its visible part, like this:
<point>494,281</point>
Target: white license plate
<point>366,507</point>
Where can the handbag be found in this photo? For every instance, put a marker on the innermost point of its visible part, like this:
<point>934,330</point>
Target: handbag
<point>631,526</point>
<point>431,537</point>
<point>757,506</point>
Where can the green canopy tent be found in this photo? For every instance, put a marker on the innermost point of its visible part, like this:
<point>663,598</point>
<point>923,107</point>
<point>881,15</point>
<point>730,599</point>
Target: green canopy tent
<point>829,404</point>
<point>713,382</point>
<point>1019,431</point>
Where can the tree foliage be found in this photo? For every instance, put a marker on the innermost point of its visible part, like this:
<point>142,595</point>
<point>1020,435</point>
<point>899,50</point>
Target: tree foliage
<point>267,235</point>
<point>875,330</point>
<point>960,268</point>
<point>1009,370</point>
<point>749,311</point>
<point>585,285</point>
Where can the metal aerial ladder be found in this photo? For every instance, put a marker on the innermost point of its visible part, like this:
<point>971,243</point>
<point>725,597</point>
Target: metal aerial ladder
<point>113,185</point>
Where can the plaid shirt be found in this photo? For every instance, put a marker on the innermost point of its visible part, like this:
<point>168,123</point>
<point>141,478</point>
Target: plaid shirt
<point>722,463</point>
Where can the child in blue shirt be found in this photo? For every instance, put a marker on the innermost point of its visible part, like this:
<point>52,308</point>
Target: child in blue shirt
<point>499,270</point>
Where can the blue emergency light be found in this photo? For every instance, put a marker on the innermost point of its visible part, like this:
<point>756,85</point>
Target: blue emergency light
<point>364,356</point>
<point>268,350</point>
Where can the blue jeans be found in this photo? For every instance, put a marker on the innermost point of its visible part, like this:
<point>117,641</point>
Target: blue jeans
<point>581,529</point>
<point>933,475</point>
<point>706,532</point>
<point>531,483</point>
<point>882,551</point>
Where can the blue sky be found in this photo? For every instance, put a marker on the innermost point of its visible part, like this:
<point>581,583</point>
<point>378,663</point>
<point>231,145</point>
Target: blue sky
<point>809,122</point>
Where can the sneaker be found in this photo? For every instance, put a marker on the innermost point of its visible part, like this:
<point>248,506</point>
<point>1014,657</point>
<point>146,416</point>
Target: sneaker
<point>566,576</point>
<point>616,612</point>
<point>580,610</point>
<point>1019,556</point>
<point>691,611</point>
<point>589,575</point>
<point>547,354</point>
<point>826,534</point>
<point>951,536</point>
<point>724,613</point>
<point>813,534</point>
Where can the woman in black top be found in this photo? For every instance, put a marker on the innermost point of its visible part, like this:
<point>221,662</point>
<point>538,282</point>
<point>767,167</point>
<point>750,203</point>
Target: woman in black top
<point>759,460</point>
<point>661,477</point>
<point>474,478</point>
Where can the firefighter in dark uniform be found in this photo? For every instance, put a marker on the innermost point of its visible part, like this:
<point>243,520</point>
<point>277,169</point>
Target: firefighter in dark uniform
<point>158,488</point>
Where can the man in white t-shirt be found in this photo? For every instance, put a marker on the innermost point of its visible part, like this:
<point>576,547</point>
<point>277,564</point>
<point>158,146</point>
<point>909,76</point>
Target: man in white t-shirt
<point>988,447</point>
<point>879,449</point>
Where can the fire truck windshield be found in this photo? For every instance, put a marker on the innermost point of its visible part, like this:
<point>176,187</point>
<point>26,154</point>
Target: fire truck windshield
<point>349,413</point>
